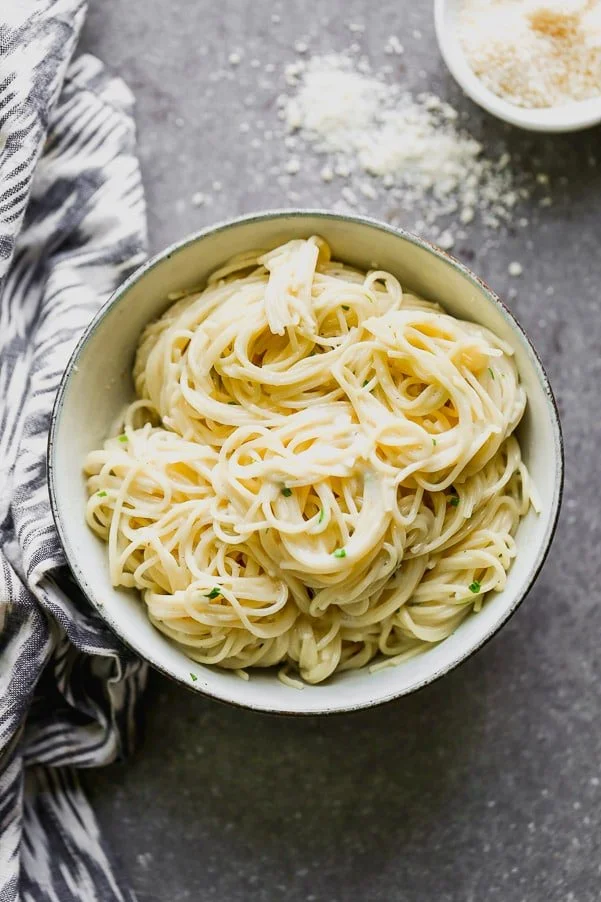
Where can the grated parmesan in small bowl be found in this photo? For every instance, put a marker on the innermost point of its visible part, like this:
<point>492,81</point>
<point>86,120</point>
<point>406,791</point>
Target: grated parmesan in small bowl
<point>535,63</point>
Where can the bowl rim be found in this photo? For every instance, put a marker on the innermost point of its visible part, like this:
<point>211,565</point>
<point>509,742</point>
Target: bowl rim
<point>568,117</point>
<point>299,213</point>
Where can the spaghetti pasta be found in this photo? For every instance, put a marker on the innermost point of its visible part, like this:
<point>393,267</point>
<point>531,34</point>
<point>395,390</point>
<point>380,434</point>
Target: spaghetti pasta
<point>319,469</point>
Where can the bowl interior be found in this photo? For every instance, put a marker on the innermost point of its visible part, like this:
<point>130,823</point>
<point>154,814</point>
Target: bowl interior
<point>98,385</point>
<point>565,118</point>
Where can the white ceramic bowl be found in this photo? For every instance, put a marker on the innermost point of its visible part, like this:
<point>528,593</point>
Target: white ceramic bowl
<point>567,118</point>
<point>97,384</point>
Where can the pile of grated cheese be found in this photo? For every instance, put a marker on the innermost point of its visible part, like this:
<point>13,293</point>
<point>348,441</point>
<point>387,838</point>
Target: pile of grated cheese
<point>381,140</point>
<point>534,53</point>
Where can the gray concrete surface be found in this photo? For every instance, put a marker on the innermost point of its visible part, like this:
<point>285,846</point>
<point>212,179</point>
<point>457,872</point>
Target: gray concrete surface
<point>487,785</point>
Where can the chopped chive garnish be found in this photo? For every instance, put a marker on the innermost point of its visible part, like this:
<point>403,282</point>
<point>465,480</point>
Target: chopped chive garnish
<point>434,442</point>
<point>492,375</point>
<point>322,514</point>
<point>365,383</point>
<point>193,677</point>
<point>474,587</point>
<point>122,438</point>
<point>214,593</point>
<point>454,501</point>
<point>101,494</point>
<point>286,492</point>
<point>340,552</point>
<point>345,307</point>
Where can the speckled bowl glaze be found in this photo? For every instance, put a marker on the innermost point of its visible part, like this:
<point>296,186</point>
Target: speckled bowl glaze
<point>98,383</point>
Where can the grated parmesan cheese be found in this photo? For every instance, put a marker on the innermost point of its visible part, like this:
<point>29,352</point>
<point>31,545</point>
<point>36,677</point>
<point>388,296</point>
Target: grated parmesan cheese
<point>536,53</point>
<point>411,146</point>
<point>293,166</point>
<point>393,45</point>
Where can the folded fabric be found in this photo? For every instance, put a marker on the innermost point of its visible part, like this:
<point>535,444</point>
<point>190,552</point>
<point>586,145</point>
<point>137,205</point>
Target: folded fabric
<point>72,226</point>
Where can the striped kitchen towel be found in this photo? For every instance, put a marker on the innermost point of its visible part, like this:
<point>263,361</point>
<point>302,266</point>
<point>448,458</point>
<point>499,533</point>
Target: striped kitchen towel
<point>72,226</point>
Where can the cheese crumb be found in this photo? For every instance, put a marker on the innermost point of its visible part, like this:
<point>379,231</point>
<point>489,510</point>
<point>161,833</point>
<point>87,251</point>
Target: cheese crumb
<point>343,169</point>
<point>367,190</point>
<point>446,240</point>
<point>293,166</point>
<point>393,45</point>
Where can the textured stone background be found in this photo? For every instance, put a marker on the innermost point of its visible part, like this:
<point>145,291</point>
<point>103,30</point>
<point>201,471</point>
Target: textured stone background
<point>485,786</point>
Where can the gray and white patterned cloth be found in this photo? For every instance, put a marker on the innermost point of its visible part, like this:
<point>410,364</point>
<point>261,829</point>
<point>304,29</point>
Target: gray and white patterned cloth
<point>72,226</point>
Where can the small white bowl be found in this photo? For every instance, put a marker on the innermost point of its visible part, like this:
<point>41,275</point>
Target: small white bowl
<point>567,118</point>
<point>98,383</point>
